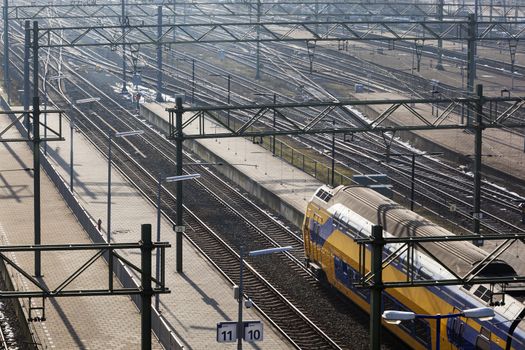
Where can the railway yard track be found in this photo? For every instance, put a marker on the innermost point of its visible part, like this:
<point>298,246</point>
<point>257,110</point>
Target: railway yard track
<point>217,212</point>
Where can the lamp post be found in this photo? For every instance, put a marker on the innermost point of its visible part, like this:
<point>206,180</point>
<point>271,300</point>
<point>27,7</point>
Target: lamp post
<point>71,133</point>
<point>274,114</point>
<point>396,317</point>
<point>227,76</point>
<point>112,134</point>
<point>240,297</point>
<point>192,60</point>
<point>413,171</point>
<point>434,92</point>
<point>160,180</point>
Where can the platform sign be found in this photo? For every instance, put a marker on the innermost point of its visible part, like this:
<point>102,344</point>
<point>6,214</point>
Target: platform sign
<point>253,331</point>
<point>227,332</point>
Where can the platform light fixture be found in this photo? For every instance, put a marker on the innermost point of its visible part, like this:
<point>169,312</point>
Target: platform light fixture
<point>72,129</point>
<point>396,317</point>
<point>240,296</point>
<point>159,189</point>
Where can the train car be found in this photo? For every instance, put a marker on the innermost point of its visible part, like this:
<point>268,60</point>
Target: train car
<point>336,216</point>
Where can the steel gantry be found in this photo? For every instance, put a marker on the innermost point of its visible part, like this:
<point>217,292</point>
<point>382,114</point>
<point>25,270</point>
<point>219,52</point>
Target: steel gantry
<point>306,32</point>
<point>288,9</point>
<point>116,263</point>
<point>257,121</point>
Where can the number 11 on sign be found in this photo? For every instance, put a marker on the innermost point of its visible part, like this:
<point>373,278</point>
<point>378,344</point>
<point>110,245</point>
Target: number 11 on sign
<point>226,332</point>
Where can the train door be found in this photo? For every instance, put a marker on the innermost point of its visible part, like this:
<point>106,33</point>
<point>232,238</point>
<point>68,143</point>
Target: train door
<point>483,339</point>
<point>455,329</point>
<point>316,253</point>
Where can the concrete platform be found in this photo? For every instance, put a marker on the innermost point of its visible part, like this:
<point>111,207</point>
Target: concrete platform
<point>76,322</point>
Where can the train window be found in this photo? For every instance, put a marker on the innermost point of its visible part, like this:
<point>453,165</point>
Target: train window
<point>483,340</point>
<point>422,331</point>
<point>323,195</point>
<point>418,328</point>
<point>483,293</point>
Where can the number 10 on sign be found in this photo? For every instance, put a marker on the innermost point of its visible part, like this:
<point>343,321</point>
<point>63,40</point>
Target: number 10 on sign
<point>227,331</point>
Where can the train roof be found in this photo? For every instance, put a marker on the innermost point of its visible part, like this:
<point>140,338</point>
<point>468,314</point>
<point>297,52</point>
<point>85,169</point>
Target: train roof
<point>398,221</point>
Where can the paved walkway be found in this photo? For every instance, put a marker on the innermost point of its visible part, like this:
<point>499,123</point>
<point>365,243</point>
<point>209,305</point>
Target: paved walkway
<point>75,322</point>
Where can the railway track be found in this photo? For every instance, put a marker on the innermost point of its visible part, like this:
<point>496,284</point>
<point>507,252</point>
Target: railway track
<point>301,289</point>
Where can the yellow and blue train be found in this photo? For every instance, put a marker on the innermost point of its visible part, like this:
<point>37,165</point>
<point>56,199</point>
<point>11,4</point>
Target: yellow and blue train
<point>335,216</point>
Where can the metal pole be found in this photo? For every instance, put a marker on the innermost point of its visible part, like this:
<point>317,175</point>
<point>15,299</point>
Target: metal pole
<point>229,95</point>
<point>36,148</point>
<point>512,49</point>
<point>157,270</point>
<point>71,164</point>
<point>27,47</point>
<point>147,291</point>
<point>377,287</point>
<point>240,298</point>
<point>274,113</point>
<point>159,55</point>
<point>471,61</point>
<point>124,22</point>
<point>108,229</point>
<point>258,70</point>
<point>333,156</point>
<point>477,164</point>
<point>6,48</point>
<point>439,65</point>
<point>179,138</point>
<point>412,181</point>
<point>193,81</point>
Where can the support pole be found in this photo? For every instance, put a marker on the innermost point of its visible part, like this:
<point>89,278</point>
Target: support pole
<point>258,71</point>
<point>157,256</point>
<point>147,291</point>
<point>124,23</point>
<point>240,298</point>
<point>471,62</point>
<point>477,164</point>
<point>229,95</point>
<point>377,287</point>
<point>439,65</point>
<point>513,44</point>
<point>36,150</point>
<point>27,57</point>
<point>159,56</point>
<point>274,113</point>
<point>179,138</point>
<point>6,50</point>
<point>71,161</point>
<point>108,229</point>
<point>412,181</point>
<point>333,156</point>
<point>193,81</point>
